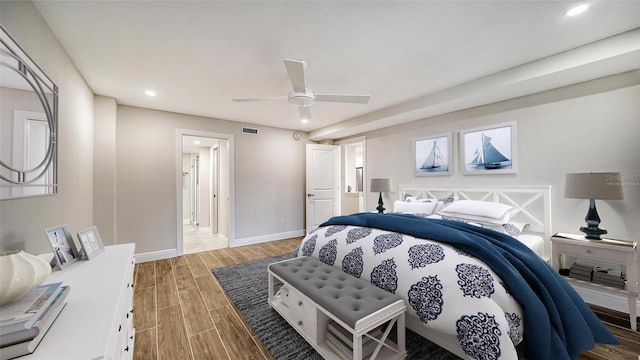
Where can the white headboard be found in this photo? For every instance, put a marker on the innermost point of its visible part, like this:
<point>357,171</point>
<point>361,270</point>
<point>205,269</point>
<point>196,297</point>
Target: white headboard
<point>532,203</point>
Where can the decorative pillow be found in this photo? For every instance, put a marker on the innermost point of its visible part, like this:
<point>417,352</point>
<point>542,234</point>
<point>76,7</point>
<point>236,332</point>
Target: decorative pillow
<point>512,229</point>
<point>482,211</point>
<point>413,207</point>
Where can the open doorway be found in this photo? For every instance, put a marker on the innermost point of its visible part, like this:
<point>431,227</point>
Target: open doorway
<point>353,175</point>
<point>204,192</point>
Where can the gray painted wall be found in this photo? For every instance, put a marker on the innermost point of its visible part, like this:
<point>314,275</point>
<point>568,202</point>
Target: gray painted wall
<point>104,153</point>
<point>269,178</point>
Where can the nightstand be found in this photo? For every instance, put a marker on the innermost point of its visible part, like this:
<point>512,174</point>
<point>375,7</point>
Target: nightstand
<point>606,250</point>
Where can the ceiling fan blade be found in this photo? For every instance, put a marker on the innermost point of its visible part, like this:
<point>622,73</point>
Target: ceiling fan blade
<point>305,112</point>
<point>343,98</point>
<point>295,70</point>
<point>261,98</point>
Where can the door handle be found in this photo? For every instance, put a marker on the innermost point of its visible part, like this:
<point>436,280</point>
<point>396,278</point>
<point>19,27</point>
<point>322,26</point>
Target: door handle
<point>310,195</point>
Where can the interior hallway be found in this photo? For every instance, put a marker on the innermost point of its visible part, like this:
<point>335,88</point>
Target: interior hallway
<point>194,242</point>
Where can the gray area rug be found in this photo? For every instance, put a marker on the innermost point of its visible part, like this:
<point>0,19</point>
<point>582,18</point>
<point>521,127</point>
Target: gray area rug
<point>247,286</point>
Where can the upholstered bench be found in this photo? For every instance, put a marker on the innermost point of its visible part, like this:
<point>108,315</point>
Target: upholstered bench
<point>322,303</point>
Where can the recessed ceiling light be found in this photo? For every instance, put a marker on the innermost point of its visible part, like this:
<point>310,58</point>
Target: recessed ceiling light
<point>576,10</point>
<point>150,93</point>
<point>304,121</point>
<point>196,142</point>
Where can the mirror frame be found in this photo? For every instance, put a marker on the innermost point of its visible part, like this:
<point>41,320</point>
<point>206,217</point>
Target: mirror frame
<point>43,86</point>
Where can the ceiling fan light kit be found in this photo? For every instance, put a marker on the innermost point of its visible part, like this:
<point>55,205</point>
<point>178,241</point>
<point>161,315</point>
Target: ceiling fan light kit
<point>306,98</point>
<point>302,97</point>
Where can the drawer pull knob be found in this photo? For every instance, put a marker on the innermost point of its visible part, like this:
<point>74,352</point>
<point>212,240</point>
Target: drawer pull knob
<point>299,322</point>
<point>299,303</point>
<point>588,251</point>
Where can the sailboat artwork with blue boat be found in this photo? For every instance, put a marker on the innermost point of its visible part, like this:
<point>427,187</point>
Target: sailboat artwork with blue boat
<point>488,157</point>
<point>489,150</point>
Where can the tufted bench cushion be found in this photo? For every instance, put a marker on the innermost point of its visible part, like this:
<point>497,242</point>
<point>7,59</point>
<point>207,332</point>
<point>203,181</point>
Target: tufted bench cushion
<point>348,298</point>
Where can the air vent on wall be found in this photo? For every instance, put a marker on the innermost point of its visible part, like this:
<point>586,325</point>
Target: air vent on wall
<point>249,131</point>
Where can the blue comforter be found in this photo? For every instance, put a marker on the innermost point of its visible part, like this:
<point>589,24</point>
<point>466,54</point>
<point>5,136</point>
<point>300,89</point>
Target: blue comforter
<point>560,325</point>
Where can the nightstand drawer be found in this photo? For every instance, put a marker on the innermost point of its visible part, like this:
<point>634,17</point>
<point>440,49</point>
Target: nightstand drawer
<point>591,252</point>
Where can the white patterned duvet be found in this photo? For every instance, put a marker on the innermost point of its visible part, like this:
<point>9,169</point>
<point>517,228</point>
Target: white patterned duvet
<point>449,291</point>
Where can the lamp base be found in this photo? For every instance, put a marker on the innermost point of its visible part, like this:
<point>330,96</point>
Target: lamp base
<point>593,232</point>
<point>380,207</point>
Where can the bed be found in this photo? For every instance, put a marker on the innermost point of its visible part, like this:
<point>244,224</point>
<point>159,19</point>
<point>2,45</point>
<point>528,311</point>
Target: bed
<point>469,269</point>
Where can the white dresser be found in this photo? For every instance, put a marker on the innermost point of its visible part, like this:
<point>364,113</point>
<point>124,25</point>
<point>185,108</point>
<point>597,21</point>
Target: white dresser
<point>97,322</point>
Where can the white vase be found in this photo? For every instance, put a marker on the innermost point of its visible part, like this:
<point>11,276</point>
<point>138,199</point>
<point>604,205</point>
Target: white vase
<point>20,273</point>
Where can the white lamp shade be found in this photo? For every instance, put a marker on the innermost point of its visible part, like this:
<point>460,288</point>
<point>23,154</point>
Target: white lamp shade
<point>604,185</point>
<point>380,185</point>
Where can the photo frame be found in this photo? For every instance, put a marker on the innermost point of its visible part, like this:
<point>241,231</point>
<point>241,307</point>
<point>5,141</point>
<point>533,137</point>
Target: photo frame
<point>432,156</point>
<point>91,242</point>
<point>489,150</point>
<point>64,248</point>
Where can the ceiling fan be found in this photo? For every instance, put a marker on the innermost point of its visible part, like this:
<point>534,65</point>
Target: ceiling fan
<point>302,97</point>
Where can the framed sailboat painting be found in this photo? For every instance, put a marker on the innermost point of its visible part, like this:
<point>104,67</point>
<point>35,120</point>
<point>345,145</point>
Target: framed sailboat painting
<point>489,150</point>
<point>432,155</point>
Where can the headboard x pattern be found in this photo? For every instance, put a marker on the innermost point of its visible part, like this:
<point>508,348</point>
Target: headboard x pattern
<point>532,204</point>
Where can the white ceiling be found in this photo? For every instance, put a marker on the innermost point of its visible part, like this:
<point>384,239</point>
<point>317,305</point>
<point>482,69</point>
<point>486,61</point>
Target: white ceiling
<point>416,58</point>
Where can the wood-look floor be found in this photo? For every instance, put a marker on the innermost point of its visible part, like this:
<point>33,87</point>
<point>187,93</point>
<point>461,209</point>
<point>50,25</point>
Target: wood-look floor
<point>181,311</point>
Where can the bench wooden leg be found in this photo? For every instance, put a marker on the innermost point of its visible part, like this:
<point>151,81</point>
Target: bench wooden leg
<point>357,347</point>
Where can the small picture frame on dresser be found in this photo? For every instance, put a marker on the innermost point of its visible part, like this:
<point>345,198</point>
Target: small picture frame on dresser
<point>91,242</point>
<point>64,248</point>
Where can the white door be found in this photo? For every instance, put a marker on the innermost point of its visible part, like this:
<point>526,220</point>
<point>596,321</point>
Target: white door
<point>214,190</point>
<point>323,184</point>
<point>31,142</point>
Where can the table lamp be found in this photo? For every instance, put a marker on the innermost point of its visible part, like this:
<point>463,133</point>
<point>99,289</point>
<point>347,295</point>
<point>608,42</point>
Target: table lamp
<point>380,186</point>
<point>592,186</point>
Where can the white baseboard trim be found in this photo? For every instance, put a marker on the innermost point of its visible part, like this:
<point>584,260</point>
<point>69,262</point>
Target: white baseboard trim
<point>266,238</point>
<point>603,298</point>
<point>156,255</point>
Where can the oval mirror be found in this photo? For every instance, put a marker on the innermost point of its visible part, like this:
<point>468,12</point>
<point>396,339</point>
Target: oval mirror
<point>28,125</point>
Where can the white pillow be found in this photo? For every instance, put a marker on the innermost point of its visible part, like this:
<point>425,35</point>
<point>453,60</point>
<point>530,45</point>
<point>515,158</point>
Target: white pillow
<point>440,203</point>
<point>483,211</point>
<point>414,207</point>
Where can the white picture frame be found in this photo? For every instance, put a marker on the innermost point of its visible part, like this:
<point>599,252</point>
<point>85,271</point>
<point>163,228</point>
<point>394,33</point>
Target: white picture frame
<point>91,242</point>
<point>489,150</point>
<point>432,155</point>
<point>64,248</point>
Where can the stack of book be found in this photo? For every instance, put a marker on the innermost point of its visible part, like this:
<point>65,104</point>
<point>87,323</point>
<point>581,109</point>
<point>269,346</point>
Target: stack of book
<point>340,340</point>
<point>23,323</point>
<point>581,271</point>
<point>608,277</point>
